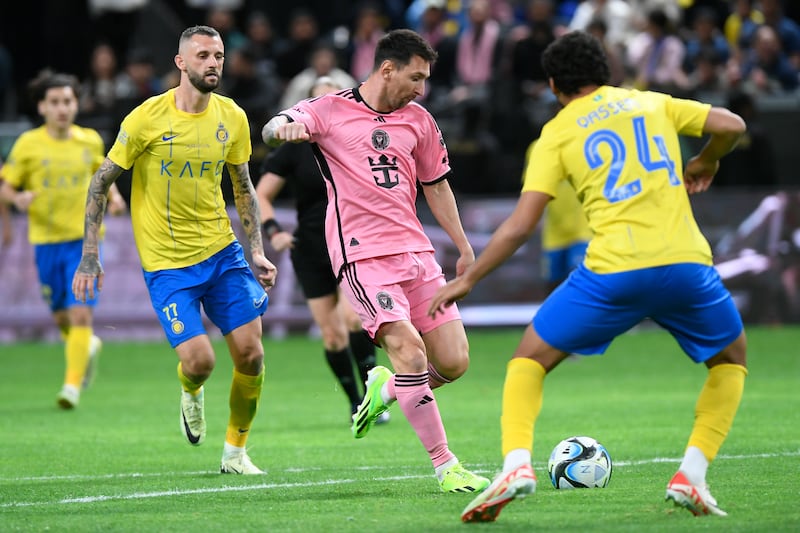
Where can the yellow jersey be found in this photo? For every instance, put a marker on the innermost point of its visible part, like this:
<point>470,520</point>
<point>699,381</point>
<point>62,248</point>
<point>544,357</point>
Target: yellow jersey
<point>177,208</point>
<point>619,150</point>
<point>564,223</point>
<point>58,172</point>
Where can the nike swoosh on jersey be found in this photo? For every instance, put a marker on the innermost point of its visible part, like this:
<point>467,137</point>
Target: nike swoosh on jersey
<point>168,137</point>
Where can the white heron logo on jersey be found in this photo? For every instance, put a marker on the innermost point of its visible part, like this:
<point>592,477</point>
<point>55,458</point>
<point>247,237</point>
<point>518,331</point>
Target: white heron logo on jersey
<point>386,166</point>
<point>380,140</point>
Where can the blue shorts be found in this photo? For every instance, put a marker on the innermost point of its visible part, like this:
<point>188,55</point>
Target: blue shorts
<point>223,284</point>
<point>560,262</point>
<point>56,264</point>
<point>586,312</point>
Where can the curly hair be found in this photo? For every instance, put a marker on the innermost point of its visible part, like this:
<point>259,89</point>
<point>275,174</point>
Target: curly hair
<point>574,61</point>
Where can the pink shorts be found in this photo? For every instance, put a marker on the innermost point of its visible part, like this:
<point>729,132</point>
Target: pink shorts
<point>396,287</point>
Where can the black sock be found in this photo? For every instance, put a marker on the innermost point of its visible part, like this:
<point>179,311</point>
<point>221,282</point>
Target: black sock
<point>363,351</point>
<point>341,364</point>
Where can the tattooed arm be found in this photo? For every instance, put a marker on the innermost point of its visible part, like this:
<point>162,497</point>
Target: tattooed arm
<point>244,196</point>
<point>89,268</point>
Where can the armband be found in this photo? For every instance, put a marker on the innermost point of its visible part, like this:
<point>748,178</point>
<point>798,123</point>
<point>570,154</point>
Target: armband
<point>271,227</point>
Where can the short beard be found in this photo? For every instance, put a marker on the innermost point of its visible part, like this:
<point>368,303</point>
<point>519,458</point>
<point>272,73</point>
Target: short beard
<point>201,84</point>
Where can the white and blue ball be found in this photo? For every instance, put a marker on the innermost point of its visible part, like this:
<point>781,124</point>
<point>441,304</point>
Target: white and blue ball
<point>579,463</point>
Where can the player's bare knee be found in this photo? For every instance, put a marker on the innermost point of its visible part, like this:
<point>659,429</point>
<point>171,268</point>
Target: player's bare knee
<point>198,366</point>
<point>334,337</point>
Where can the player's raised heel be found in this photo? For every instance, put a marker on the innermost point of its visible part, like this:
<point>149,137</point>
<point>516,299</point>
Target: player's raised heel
<point>698,500</point>
<point>506,487</point>
<point>372,405</point>
<point>193,421</point>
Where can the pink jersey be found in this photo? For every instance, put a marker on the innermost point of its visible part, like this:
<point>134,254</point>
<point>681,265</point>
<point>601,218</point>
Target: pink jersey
<point>371,163</point>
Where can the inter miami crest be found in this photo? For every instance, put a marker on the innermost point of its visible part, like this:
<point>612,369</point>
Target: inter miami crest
<point>385,301</point>
<point>380,140</point>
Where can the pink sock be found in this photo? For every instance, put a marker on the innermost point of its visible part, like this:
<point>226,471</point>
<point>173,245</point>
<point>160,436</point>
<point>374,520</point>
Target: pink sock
<point>435,379</point>
<point>415,397</point>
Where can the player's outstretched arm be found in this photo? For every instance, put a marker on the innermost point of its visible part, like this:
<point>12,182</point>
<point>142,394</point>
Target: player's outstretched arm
<point>89,268</point>
<point>512,233</point>
<point>244,196</point>
<point>280,129</point>
<point>442,203</point>
<point>726,128</point>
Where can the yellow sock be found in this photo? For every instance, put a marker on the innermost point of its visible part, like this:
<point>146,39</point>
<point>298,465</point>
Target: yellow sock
<point>522,401</point>
<point>245,394</point>
<point>76,352</point>
<point>187,384</point>
<point>64,332</point>
<point>716,407</point>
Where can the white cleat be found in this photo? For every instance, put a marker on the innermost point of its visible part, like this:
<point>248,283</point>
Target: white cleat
<point>69,397</point>
<point>193,421</point>
<point>238,463</point>
<point>698,500</point>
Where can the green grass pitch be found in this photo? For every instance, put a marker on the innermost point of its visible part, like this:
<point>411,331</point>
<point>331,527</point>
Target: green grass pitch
<point>119,463</point>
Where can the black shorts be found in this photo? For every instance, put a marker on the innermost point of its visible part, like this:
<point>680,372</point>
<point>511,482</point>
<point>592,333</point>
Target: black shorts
<point>312,266</point>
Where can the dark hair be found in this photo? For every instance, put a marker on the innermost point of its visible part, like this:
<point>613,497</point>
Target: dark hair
<point>47,79</point>
<point>190,32</point>
<point>574,61</point>
<point>399,46</point>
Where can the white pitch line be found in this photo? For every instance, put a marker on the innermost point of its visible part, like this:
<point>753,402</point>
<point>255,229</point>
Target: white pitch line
<point>263,486</point>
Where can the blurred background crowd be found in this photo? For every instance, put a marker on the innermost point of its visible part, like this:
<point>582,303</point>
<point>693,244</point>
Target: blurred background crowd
<point>487,90</point>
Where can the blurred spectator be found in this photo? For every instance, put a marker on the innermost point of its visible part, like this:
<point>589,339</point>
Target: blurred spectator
<point>614,53</point>
<point>444,69</point>
<point>752,162</point>
<point>457,14</point>
<point>431,22</point>
<point>656,57</point>
<point>477,54</point>
<point>301,40</point>
<point>765,69</point>
<point>256,94</point>
<point>224,21</point>
<point>136,83</point>
<point>673,9</point>
<point>617,15</point>
<point>323,63</point>
<point>705,40</point>
<point>368,28</point>
<point>787,30</point>
<point>532,92</point>
<point>741,24</point>
<point>99,89</point>
<point>262,41</point>
<point>708,79</point>
<point>115,22</point>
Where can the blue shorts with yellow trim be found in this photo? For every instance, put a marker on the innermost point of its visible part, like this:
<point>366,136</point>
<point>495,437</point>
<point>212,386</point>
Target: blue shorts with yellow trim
<point>586,312</point>
<point>223,284</point>
<point>56,264</point>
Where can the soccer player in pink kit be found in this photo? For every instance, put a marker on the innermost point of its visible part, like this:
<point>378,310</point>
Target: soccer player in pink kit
<point>374,145</point>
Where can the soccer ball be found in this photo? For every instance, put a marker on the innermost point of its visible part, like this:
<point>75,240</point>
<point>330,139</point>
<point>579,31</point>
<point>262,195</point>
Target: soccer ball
<point>579,462</point>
